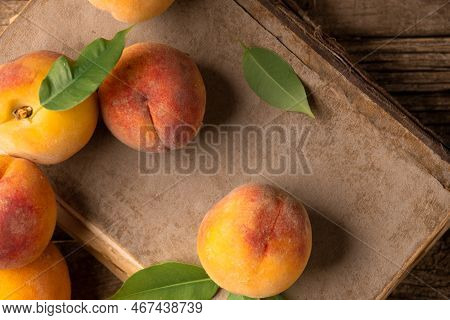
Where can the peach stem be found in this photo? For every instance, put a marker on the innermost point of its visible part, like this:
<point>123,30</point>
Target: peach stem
<point>23,112</point>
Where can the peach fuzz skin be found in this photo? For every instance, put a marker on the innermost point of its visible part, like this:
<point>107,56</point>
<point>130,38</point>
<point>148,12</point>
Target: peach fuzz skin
<point>256,241</point>
<point>47,278</point>
<point>45,137</point>
<point>133,11</point>
<point>159,102</point>
<point>27,212</point>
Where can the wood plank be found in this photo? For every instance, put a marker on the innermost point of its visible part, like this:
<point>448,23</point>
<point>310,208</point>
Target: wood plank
<point>416,71</point>
<point>378,18</point>
<point>400,61</point>
<point>403,55</point>
<point>364,45</point>
<point>434,118</point>
<point>421,81</point>
<point>425,101</point>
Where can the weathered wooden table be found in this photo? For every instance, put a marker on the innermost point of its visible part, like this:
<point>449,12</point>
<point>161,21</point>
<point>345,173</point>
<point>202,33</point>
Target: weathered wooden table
<point>414,65</point>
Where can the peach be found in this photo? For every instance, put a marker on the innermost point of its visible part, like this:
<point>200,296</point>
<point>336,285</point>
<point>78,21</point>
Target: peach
<point>27,130</point>
<point>155,98</point>
<point>27,212</point>
<point>47,278</point>
<point>133,11</point>
<point>256,241</point>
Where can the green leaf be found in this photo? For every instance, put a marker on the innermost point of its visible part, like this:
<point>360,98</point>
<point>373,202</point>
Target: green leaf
<point>274,80</point>
<point>232,296</point>
<point>69,83</point>
<point>168,281</point>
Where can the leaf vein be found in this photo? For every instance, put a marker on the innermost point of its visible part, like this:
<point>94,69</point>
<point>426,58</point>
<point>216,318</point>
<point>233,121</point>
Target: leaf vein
<point>168,286</point>
<point>273,80</point>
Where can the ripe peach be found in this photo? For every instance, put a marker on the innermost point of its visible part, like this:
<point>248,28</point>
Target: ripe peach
<point>256,241</point>
<point>133,11</point>
<point>28,130</point>
<point>155,98</point>
<point>47,278</point>
<point>27,212</point>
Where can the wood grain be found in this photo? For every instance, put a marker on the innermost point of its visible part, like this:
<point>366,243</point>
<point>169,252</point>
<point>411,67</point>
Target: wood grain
<point>416,71</point>
<point>388,18</point>
<point>426,54</point>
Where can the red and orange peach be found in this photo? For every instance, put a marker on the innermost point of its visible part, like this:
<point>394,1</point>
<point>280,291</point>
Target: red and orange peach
<point>155,98</point>
<point>256,241</point>
<point>27,212</point>
<point>28,130</point>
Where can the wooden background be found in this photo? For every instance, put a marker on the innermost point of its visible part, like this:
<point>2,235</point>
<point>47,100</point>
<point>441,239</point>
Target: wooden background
<point>405,49</point>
